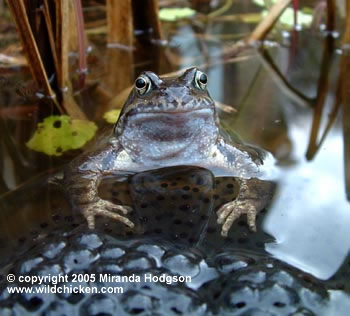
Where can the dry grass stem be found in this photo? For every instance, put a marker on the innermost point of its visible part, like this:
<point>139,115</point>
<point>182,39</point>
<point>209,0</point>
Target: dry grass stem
<point>322,92</point>
<point>268,22</point>
<point>119,21</point>
<point>119,66</point>
<point>331,15</point>
<point>146,17</point>
<point>345,80</point>
<point>51,34</point>
<point>281,81</point>
<point>30,47</point>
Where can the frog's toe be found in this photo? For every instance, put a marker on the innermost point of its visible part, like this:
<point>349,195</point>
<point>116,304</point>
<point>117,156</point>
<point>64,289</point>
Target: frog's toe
<point>90,218</point>
<point>251,217</point>
<point>115,216</point>
<point>228,213</point>
<point>103,204</point>
<point>106,209</point>
<point>224,211</point>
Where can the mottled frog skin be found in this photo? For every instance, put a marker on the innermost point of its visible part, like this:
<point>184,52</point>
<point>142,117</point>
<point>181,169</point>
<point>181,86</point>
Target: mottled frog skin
<point>166,122</point>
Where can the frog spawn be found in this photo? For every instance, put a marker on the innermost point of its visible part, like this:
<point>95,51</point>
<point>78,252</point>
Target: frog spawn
<point>231,276</point>
<point>224,282</point>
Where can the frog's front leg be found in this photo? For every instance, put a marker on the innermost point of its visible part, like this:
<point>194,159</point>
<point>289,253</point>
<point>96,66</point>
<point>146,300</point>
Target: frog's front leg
<point>245,203</point>
<point>253,196</point>
<point>82,177</point>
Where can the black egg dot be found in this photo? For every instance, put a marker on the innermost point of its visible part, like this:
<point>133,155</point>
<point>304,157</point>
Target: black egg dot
<point>35,302</point>
<point>279,304</point>
<point>203,78</point>
<point>21,240</point>
<point>240,304</point>
<point>140,83</point>
<point>57,124</point>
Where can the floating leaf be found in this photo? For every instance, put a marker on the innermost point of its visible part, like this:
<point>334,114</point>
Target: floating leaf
<point>287,18</point>
<point>260,3</point>
<point>112,116</point>
<point>59,133</point>
<point>174,14</point>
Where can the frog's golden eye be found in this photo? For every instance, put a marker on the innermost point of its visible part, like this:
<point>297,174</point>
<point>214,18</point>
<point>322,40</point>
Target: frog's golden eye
<point>200,80</point>
<point>143,85</point>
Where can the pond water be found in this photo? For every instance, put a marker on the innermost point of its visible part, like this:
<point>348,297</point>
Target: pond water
<point>306,223</point>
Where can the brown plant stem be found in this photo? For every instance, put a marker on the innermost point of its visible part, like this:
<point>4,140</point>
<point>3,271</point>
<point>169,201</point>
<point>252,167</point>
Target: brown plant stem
<point>345,80</point>
<point>30,47</point>
<point>62,40</point>
<point>268,22</point>
<point>146,17</point>
<point>295,7</point>
<point>331,7</point>
<point>281,81</point>
<point>81,41</point>
<point>322,91</point>
<point>260,31</point>
<point>51,35</point>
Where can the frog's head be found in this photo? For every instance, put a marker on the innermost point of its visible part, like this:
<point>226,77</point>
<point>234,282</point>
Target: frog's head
<point>166,118</point>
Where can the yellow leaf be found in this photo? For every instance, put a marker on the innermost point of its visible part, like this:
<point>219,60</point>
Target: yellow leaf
<point>112,116</point>
<point>59,133</point>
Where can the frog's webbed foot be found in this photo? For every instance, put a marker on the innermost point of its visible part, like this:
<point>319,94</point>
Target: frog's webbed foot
<point>107,209</point>
<point>229,212</point>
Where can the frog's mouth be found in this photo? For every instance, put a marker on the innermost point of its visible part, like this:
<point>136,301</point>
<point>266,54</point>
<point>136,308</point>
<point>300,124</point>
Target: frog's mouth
<point>160,134</point>
<point>171,126</point>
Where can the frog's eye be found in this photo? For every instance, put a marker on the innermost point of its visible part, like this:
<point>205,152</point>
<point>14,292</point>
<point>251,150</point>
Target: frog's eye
<point>143,85</point>
<point>200,80</point>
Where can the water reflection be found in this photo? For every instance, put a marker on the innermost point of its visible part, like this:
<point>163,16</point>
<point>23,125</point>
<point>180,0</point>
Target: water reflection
<point>310,218</point>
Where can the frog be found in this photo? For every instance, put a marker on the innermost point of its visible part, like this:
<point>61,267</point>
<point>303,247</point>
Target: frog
<point>167,121</point>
